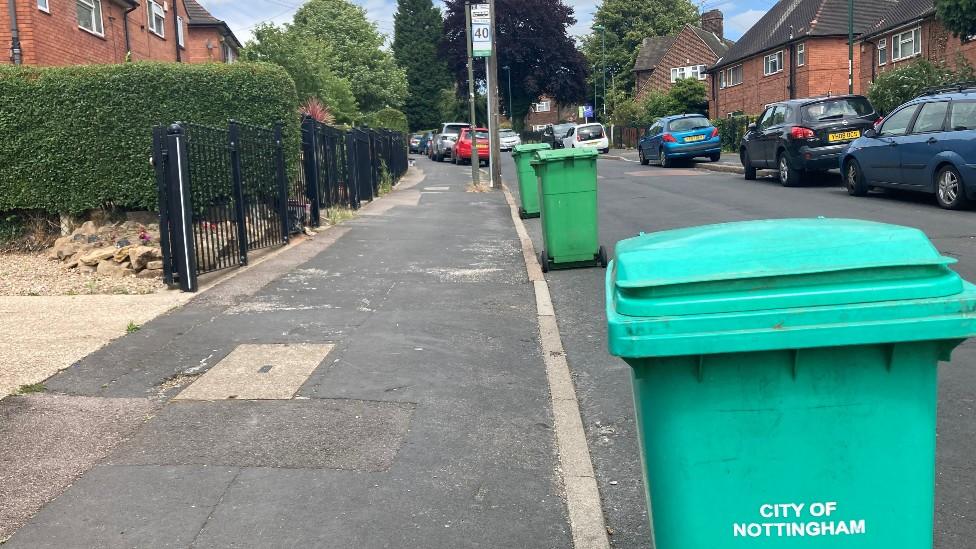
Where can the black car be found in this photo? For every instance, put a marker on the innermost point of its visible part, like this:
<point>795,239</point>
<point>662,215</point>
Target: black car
<point>800,136</point>
<point>554,134</point>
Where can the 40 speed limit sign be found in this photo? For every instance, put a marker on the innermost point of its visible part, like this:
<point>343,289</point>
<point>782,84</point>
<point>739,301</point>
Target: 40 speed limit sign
<point>481,30</point>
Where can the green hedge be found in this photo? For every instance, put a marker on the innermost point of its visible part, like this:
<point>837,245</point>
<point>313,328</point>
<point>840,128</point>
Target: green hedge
<point>731,131</point>
<point>77,138</point>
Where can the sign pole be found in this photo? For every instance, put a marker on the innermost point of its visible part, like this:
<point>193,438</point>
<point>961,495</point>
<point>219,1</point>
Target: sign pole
<point>475,161</point>
<point>493,106</point>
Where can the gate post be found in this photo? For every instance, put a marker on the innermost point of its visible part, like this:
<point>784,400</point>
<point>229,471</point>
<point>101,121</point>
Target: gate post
<point>237,185</point>
<point>181,208</point>
<point>282,180</point>
<point>353,169</point>
<point>310,163</point>
<point>160,165</point>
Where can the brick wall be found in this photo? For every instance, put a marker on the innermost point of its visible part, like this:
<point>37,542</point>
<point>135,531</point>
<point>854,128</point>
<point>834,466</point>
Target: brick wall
<point>555,115</point>
<point>688,49</point>
<point>938,45</point>
<point>825,71</point>
<point>196,45</point>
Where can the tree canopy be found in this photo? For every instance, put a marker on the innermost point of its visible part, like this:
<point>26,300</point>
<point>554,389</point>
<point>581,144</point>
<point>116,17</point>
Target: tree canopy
<point>626,23</point>
<point>532,39</point>
<point>417,27</point>
<point>958,16</point>
<point>358,54</point>
<point>308,62</point>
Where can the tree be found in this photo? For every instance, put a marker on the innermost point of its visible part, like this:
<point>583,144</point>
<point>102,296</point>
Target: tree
<point>451,108</point>
<point>417,28</point>
<point>357,48</point>
<point>894,87</point>
<point>958,16</point>
<point>626,24</point>
<point>688,96</point>
<point>532,39</point>
<point>308,62</point>
<point>390,119</point>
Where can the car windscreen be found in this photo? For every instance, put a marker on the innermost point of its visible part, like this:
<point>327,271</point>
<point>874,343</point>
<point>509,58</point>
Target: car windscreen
<point>456,129</point>
<point>481,134</point>
<point>561,130</point>
<point>506,133</point>
<point>590,132</point>
<point>689,124</point>
<point>837,109</point>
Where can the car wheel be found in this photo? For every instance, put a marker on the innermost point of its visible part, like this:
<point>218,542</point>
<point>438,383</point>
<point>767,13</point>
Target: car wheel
<point>788,177</point>
<point>663,159</point>
<point>640,154</point>
<point>854,179</point>
<point>715,157</point>
<point>749,171</point>
<point>949,189</point>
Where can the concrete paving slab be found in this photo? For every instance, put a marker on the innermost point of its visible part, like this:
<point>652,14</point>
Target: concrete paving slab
<point>333,434</point>
<point>126,507</point>
<point>46,441</point>
<point>258,372</point>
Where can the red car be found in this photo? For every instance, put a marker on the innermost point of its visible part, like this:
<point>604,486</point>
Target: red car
<point>462,150</point>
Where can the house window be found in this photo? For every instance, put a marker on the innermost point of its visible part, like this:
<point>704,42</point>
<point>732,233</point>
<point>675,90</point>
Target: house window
<point>732,76</point>
<point>90,16</point>
<point>906,44</point>
<point>801,55</point>
<point>542,106</point>
<point>882,51</point>
<point>230,55</point>
<point>692,71</point>
<point>180,39</point>
<point>773,63</point>
<point>157,18</point>
<point>721,78</point>
<point>43,5</point>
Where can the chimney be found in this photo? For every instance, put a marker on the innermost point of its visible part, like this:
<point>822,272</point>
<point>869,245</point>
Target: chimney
<point>713,21</point>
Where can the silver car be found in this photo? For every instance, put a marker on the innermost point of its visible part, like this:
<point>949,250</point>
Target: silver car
<point>508,140</point>
<point>444,142</point>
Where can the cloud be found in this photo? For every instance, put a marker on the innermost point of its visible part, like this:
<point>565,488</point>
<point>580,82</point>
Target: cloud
<point>739,23</point>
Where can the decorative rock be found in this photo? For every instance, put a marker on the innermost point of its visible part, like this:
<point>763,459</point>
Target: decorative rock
<point>122,254</point>
<point>93,238</point>
<point>78,237</point>
<point>150,273</point>
<point>67,250</point>
<point>112,269</point>
<point>82,268</point>
<point>72,264</point>
<point>95,256</point>
<point>87,228</point>
<point>140,256</point>
<point>154,265</point>
<point>123,243</point>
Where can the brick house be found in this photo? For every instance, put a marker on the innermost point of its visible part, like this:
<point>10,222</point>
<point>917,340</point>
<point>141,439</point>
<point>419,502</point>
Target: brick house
<point>548,111</point>
<point>75,32</point>
<point>907,32</point>
<point>662,60</point>
<point>798,49</point>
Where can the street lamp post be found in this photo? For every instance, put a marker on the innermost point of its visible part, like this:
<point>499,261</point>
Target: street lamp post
<point>508,70</point>
<point>850,46</point>
<point>594,94</point>
<point>603,52</point>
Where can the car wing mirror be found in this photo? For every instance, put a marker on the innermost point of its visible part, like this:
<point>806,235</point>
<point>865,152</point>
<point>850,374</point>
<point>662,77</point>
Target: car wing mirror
<point>870,132</point>
<point>751,127</point>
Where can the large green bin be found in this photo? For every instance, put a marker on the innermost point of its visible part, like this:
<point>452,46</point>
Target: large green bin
<point>528,188</point>
<point>567,197</point>
<point>784,377</point>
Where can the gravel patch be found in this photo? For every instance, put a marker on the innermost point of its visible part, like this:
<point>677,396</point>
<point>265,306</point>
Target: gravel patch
<point>34,274</point>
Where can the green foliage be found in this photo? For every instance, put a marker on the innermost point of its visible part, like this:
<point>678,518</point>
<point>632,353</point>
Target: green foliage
<point>958,16</point>
<point>689,95</point>
<point>532,38</point>
<point>309,64</point>
<point>390,119</point>
<point>357,51</point>
<point>132,328</point>
<point>12,227</point>
<point>417,28</point>
<point>894,87</point>
<point>31,389</point>
<point>454,109</point>
<point>77,138</point>
<point>685,97</point>
<point>731,131</point>
<point>626,24</point>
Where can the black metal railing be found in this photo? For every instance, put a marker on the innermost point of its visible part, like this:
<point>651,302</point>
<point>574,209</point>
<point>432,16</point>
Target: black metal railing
<point>225,192</point>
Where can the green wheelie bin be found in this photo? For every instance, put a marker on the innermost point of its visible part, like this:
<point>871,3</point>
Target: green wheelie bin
<point>567,198</point>
<point>784,377</point>
<point>528,187</point>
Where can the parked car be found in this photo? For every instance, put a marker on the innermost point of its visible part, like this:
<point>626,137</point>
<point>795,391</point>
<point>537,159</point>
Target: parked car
<point>926,145</point>
<point>448,136</point>
<point>554,134</point>
<point>680,136</point>
<point>508,140</point>
<point>800,136</point>
<point>462,150</point>
<point>415,143</point>
<point>587,135</point>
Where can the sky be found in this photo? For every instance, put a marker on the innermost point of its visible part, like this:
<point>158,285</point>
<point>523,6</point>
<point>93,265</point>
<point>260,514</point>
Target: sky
<point>243,15</point>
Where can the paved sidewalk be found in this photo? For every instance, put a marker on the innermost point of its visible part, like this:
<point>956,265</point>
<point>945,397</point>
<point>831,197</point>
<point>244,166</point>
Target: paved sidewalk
<point>379,386</point>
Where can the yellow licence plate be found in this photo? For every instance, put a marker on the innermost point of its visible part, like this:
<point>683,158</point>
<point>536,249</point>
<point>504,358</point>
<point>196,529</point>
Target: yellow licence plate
<point>693,138</point>
<point>844,136</point>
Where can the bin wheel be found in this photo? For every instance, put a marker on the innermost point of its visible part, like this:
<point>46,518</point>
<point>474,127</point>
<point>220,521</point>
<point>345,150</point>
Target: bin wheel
<point>602,257</point>
<point>522,214</point>
<point>544,261</point>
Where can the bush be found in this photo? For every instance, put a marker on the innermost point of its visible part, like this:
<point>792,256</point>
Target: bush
<point>731,131</point>
<point>892,88</point>
<point>78,138</point>
<point>390,119</point>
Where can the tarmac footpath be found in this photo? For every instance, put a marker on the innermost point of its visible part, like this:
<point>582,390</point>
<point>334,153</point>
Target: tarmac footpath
<point>383,385</point>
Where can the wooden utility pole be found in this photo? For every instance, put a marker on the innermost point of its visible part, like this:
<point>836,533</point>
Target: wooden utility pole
<point>493,107</point>
<point>475,161</point>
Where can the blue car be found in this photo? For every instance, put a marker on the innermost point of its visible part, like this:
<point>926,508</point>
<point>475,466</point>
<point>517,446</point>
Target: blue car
<point>682,136</point>
<point>926,145</point>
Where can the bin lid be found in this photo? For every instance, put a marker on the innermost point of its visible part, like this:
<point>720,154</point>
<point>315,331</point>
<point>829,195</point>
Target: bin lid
<point>750,279</point>
<point>780,263</point>
<point>553,155</point>
<point>529,147</point>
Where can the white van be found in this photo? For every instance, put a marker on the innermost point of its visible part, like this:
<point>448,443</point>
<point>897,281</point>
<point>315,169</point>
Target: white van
<point>587,135</point>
